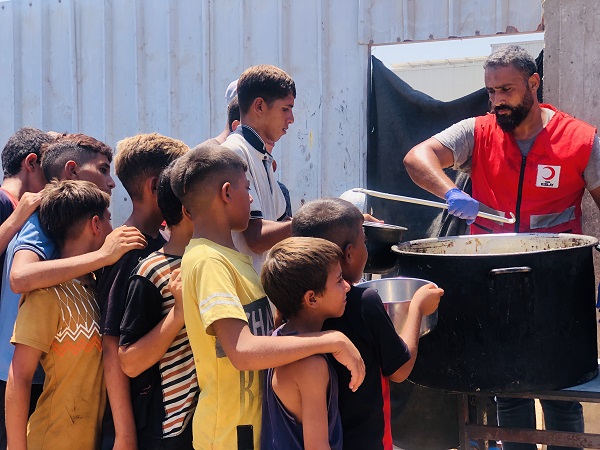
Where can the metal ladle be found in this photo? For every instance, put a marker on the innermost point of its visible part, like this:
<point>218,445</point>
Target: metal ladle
<point>419,201</point>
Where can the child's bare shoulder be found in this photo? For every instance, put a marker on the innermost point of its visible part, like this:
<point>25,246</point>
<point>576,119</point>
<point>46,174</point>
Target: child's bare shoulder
<point>312,369</point>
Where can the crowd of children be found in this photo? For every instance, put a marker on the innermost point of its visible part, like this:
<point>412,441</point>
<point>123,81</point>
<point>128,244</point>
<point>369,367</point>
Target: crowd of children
<point>160,334</point>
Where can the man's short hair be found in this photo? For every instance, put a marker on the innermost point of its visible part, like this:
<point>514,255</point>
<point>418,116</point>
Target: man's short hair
<point>293,267</point>
<point>233,112</point>
<point>71,147</point>
<point>198,175</point>
<point>25,141</point>
<point>168,203</point>
<point>66,206</point>
<point>143,156</point>
<point>334,219</point>
<point>267,82</point>
<point>512,55</point>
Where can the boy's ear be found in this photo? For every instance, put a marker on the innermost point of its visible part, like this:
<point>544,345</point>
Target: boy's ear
<point>225,192</point>
<point>152,185</point>
<point>348,253</point>
<point>258,105</point>
<point>95,224</point>
<point>186,213</point>
<point>29,162</point>
<point>71,170</point>
<point>309,299</point>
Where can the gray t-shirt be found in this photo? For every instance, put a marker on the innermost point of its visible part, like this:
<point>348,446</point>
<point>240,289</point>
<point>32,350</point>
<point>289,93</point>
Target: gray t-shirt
<point>460,139</point>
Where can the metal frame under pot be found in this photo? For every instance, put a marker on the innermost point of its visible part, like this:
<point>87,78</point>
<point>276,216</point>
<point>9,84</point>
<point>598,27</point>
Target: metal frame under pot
<point>518,313</point>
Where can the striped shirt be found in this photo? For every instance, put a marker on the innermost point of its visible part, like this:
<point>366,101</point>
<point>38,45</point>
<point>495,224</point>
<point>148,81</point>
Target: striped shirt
<point>165,409</point>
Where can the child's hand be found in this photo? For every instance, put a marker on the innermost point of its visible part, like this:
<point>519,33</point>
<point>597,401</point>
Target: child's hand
<point>427,298</point>
<point>27,205</point>
<point>176,288</point>
<point>121,240</point>
<point>370,218</point>
<point>349,357</point>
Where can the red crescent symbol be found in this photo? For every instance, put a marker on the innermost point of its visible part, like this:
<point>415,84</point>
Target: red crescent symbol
<point>552,173</point>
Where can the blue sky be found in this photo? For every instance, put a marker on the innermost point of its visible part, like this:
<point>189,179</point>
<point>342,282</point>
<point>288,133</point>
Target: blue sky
<point>455,48</point>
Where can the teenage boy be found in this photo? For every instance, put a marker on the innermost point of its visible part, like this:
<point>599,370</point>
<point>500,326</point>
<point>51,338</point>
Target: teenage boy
<point>227,314</point>
<point>31,258</point>
<point>19,197</point>
<point>23,179</point>
<point>266,97</point>
<point>366,412</point>
<point>154,349</point>
<point>140,160</point>
<point>303,279</point>
<point>58,327</point>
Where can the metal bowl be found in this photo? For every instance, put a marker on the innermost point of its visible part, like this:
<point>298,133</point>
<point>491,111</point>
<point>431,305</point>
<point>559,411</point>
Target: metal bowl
<point>396,294</point>
<point>380,239</point>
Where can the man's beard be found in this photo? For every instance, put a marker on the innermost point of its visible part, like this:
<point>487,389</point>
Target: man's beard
<point>508,122</point>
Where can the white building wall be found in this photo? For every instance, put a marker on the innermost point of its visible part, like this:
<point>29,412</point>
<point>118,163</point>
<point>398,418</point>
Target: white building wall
<point>112,69</point>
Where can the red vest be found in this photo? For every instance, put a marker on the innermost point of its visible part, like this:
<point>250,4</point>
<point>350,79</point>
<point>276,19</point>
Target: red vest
<point>543,190</point>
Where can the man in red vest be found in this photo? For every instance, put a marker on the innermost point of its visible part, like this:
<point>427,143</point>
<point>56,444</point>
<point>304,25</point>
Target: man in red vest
<point>523,157</point>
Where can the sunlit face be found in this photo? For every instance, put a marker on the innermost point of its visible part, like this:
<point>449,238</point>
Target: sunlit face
<point>277,118</point>
<point>333,298</point>
<point>97,171</point>
<point>511,98</point>
<point>240,201</point>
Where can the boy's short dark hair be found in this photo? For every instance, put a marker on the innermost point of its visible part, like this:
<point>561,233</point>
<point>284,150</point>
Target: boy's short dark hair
<point>66,205</point>
<point>265,81</point>
<point>293,267</point>
<point>143,156</point>
<point>168,203</point>
<point>198,175</point>
<point>71,147</point>
<point>25,141</point>
<point>233,112</point>
<point>334,219</point>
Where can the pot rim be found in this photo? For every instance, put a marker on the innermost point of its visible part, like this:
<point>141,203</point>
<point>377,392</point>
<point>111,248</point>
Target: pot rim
<point>586,241</point>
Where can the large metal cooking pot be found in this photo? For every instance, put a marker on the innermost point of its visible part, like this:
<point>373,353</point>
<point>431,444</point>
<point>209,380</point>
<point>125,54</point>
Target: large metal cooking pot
<point>518,313</point>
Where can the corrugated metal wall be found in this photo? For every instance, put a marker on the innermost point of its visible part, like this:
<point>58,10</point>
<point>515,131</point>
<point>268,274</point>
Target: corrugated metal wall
<point>116,68</point>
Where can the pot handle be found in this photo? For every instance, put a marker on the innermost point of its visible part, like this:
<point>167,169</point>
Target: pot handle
<point>494,286</point>
<point>507,270</point>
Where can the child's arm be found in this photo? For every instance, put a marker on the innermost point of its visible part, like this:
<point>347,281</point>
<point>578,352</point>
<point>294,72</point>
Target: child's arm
<point>312,378</point>
<point>262,234</point>
<point>150,348</point>
<point>29,272</point>
<point>424,302</point>
<point>249,352</point>
<point>119,395</point>
<point>18,392</point>
<point>13,223</point>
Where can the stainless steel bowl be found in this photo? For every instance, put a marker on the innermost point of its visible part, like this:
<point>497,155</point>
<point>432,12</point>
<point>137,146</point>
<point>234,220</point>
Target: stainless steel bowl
<point>396,294</point>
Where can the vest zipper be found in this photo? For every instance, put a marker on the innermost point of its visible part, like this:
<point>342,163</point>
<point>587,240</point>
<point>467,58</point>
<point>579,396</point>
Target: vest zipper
<point>520,194</point>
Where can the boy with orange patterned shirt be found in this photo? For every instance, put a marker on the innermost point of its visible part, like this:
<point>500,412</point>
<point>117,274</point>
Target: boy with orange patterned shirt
<point>58,327</point>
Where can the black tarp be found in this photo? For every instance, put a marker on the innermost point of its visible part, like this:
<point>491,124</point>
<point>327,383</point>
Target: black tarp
<point>399,118</point>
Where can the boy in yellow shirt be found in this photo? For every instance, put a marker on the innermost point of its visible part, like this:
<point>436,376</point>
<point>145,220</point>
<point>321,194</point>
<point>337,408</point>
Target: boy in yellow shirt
<point>226,311</point>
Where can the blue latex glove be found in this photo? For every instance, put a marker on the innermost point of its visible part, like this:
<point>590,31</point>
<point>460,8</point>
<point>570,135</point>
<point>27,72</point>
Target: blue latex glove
<point>462,205</point>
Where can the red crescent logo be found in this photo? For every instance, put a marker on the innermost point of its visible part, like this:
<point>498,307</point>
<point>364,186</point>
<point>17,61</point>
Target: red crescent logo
<point>552,173</point>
